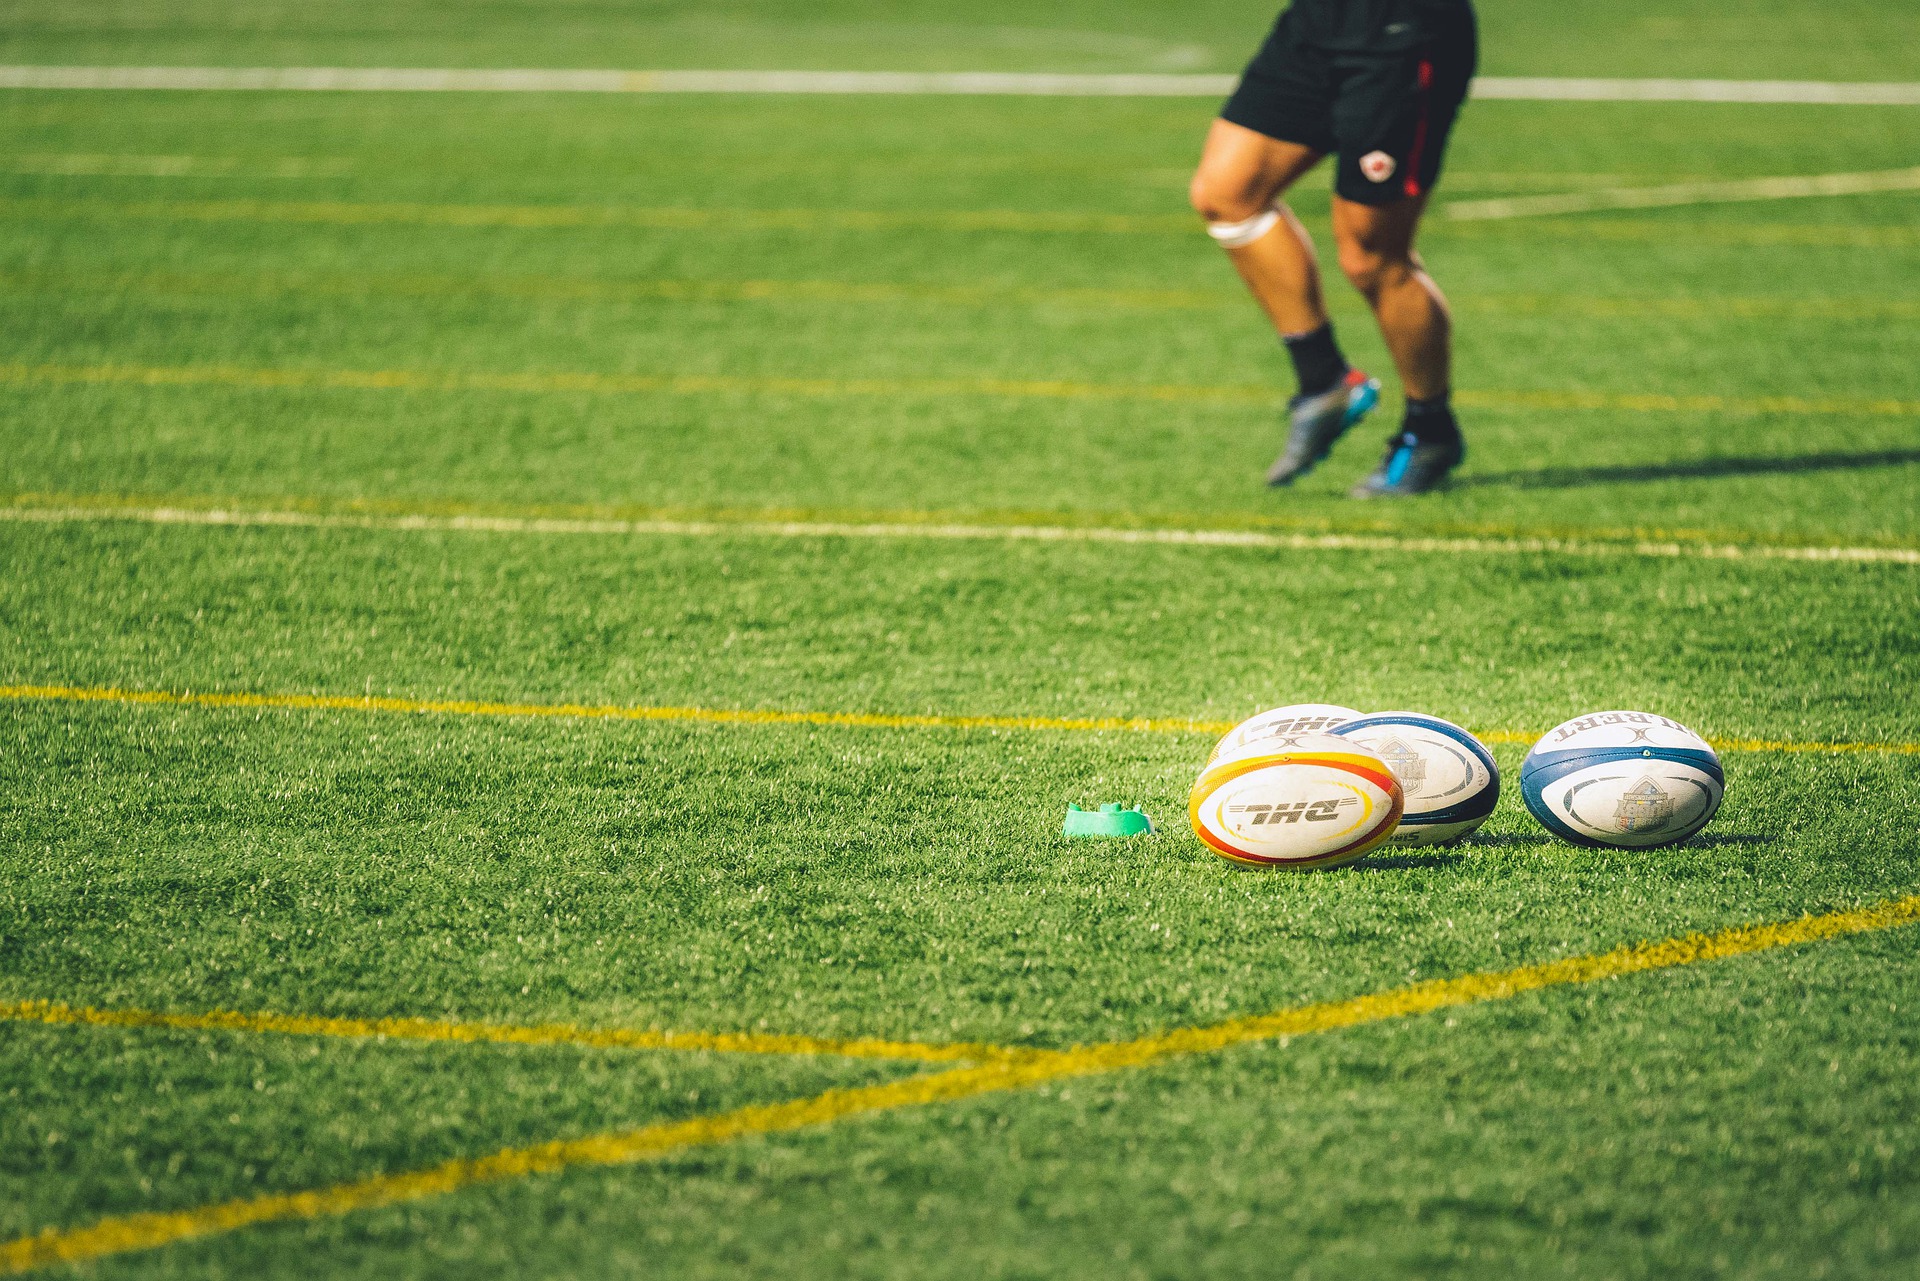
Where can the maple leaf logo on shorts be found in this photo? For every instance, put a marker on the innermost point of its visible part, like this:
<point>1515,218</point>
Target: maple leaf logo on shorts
<point>1378,166</point>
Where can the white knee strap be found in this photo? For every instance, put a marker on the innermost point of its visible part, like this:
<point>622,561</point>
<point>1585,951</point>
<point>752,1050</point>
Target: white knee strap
<point>1238,235</point>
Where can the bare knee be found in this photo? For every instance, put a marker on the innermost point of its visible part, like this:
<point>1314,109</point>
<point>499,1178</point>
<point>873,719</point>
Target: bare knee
<point>1222,197</point>
<point>1363,267</point>
<point>1371,269</point>
<point>1242,173</point>
<point>1376,244</point>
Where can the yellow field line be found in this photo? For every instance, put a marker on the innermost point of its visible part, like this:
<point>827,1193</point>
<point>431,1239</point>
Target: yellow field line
<point>1644,402</point>
<point>616,384</point>
<point>579,711</point>
<point>730,716</point>
<point>1779,745</point>
<point>295,379</point>
<point>589,289</point>
<point>562,217</point>
<point>96,164</point>
<point>586,289</point>
<point>411,1029</point>
<point>151,1230</point>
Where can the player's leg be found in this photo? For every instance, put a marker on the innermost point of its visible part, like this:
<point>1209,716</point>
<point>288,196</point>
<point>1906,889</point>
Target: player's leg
<point>1378,258</point>
<point>1238,189</point>
<point>1377,255</point>
<point>1276,127</point>
<point>1393,115</point>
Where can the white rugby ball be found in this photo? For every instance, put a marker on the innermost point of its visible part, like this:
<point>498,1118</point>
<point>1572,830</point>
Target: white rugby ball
<point>1316,801</point>
<point>1630,780</point>
<point>1450,779</point>
<point>1279,723</point>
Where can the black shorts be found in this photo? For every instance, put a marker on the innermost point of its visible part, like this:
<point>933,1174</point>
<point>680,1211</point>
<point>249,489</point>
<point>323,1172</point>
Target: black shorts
<point>1386,108</point>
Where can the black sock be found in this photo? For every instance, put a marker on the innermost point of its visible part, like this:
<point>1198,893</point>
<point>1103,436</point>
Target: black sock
<point>1431,422</point>
<point>1316,359</point>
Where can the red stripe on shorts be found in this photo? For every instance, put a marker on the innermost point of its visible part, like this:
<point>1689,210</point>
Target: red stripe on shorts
<point>1420,130</point>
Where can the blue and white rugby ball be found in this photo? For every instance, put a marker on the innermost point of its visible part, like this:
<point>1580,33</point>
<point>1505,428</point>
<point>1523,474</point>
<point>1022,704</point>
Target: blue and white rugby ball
<point>1449,777</point>
<point>1276,725</point>
<point>1629,780</point>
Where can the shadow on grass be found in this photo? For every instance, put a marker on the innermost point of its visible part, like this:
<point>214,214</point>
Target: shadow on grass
<point>1699,468</point>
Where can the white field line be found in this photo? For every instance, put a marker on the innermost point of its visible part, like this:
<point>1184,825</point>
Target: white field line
<point>1812,92</point>
<point>532,80</point>
<point>1409,544</point>
<point>439,80</point>
<point>122,166</point>
<point>1686,193</point>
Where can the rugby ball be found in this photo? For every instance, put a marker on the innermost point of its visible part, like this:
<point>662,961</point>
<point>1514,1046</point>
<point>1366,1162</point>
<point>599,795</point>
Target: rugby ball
<point>1629,780</point>
<point>1278,723</point>
<point>1312,800</point>
<point>1449,777</point>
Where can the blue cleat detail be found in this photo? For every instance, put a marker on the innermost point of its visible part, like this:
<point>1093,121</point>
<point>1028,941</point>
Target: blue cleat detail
<point>1316,423</point>
<point>1411,467</point>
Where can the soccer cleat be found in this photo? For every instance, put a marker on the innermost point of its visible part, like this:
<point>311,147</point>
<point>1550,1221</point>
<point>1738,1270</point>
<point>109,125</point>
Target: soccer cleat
<point>1411,467</point>
<point>1316,422</point>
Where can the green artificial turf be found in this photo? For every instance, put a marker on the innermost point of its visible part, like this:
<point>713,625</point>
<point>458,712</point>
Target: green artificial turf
<point>176,1119</point>
<point>100,274</point>
<point>850,274</point>
<point>1843,39</point>
<point>1751,1121</point>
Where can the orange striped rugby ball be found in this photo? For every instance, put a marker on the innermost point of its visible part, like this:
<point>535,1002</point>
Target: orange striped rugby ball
<point>1308,801</point>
